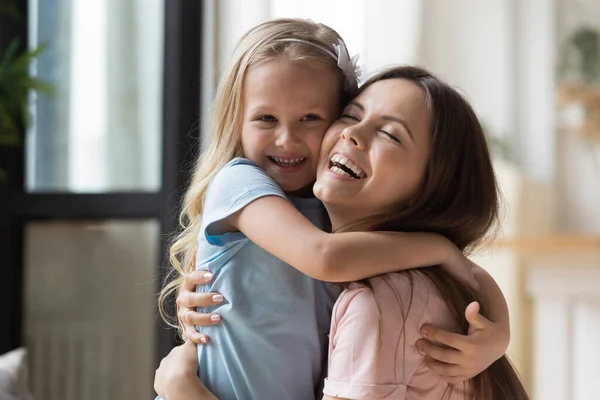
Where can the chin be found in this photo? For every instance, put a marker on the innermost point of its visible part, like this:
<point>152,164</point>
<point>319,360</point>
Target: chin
<point>326,194</point>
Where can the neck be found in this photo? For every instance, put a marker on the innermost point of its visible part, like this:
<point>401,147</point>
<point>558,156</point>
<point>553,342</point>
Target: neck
<point>305,192</point>
<point>341,216</point>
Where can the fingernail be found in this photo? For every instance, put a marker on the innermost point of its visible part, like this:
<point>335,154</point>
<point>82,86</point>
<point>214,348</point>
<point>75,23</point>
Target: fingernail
<point>217,298</point>
<point>203,339</point>
<point>425,331</point>
<point>420,347</point>
<point>208,275</point>
<point>215,318</point>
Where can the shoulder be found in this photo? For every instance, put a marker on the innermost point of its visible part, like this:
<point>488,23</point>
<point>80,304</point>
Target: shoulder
<point>414,295</point>
<point>356,310</point>
<point>356,298</point>
<point>233,187</point>
<point>409,288</point>
<point>404,300</point>
<point>241,162</point>
<point>239,169</point>
<point>384,292</point>
<point>238,179</point>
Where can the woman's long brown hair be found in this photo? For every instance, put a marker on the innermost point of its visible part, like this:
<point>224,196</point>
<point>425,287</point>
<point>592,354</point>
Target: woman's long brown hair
<point>460,200</point>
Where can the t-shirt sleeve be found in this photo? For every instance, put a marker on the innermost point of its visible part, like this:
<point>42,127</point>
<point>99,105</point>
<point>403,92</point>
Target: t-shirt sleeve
<point>235,186</point>
<point>356,368</point>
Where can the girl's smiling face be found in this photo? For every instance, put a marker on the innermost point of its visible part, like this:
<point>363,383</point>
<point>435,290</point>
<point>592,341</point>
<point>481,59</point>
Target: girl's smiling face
<point>374,157</point>
<point>287,108</point>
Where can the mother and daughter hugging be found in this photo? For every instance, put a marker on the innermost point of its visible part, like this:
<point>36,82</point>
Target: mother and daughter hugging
<point>326,226</point>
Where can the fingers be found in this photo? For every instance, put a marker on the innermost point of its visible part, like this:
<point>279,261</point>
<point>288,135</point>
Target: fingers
<point>472,309</point>
<point>193,278</point>
<point>450,372</point>
<point>450,339</point>
<point>192,299</point>
<point>188,300</point>
<point>190,317</point>
<point>191,334</point>
<point>189,346</point>
<point>443,354</point>
<point>475,319</point>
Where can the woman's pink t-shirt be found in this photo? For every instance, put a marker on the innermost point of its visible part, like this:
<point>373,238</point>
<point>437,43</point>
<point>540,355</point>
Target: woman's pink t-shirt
<point>372,353</point>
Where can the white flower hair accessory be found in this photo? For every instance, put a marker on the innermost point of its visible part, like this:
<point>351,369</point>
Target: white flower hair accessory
<point>348,66</point>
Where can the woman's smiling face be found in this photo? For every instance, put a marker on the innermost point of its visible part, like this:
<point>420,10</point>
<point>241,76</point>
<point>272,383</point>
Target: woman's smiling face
<point>374,158</point>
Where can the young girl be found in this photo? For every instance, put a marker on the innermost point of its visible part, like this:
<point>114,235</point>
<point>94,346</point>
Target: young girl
<point>286,86</point>
<point>421,164</point>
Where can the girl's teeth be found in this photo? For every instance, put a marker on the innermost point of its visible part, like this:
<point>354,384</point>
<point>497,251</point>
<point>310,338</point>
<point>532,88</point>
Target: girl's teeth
<point>288,161</point>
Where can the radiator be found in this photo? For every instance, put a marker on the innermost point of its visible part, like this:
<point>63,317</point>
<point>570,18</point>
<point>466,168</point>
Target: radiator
<point>83,361</point>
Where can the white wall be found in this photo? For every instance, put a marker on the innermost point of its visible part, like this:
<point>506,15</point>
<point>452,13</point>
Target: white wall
<point>501,54</point>
<point>578,177</point>
<point>469,43</point>
<point>393,33</point>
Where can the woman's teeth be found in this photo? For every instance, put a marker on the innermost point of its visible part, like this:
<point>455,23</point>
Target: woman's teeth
<point>341,165</point>
<point>287,162</point>
<point>340,171</point>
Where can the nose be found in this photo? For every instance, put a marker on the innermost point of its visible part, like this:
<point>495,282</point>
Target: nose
<point>286,138</point>
<point>352,135</point>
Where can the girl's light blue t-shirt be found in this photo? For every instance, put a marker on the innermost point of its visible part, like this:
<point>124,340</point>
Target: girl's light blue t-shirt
<point>273,338</point>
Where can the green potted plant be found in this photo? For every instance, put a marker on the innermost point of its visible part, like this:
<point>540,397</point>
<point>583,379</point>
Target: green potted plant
<point>16,82</point>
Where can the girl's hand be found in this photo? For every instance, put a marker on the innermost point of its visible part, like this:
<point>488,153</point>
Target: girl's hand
<point>460,267</point>
<point>461,357</point>
<point>188,300</point>
<point>177,375</point>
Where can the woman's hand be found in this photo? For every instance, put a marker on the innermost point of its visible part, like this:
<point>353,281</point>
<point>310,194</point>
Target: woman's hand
<point>188,300</point>
<point>461,357</point>
<point>177,376</point>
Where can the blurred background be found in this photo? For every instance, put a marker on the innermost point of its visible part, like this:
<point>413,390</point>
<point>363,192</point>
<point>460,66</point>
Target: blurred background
<point>102,108</point>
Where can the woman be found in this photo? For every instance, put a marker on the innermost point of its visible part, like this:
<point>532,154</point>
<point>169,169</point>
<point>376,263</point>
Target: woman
<point>424,166</point>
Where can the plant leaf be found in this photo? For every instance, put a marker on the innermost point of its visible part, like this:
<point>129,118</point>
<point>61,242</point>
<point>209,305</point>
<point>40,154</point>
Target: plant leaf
<point>10,9</point>
<point>15,85</point>
<point>10,52</point>
<point>10,139</point>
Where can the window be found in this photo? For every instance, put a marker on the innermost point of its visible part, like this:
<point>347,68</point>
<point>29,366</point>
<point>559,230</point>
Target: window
<point>86,216</point>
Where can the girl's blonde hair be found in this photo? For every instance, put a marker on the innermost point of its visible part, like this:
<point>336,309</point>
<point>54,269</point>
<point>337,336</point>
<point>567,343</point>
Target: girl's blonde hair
<point>275,39</point>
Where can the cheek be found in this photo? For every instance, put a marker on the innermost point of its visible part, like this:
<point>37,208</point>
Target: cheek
<point>315,142</point>
<point>330,138</point>
<point>412,179</point>
<point>398,176</point>
<point>246,138</point>
<point>254,141</point>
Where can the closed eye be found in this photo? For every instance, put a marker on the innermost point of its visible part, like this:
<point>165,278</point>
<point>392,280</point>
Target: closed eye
<point>349,116</point>
<point>393,137</point>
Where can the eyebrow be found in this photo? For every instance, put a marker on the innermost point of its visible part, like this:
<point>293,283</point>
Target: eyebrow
<point>387,118</point>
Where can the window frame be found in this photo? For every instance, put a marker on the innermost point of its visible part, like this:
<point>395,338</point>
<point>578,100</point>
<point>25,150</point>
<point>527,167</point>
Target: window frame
<point>180,145</point>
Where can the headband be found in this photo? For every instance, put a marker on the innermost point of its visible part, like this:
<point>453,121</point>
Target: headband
<point>341,56</point>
